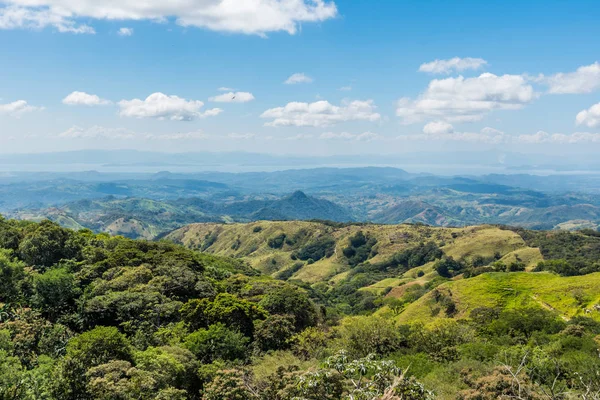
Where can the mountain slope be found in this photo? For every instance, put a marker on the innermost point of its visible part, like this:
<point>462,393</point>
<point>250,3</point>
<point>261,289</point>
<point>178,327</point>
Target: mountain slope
<point>273,247</point>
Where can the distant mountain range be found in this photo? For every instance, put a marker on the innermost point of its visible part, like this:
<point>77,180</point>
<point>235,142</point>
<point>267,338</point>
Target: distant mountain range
<point>149,219</point>
<point>148,205</point>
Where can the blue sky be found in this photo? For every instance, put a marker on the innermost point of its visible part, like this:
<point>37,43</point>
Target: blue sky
<point>371,77</point>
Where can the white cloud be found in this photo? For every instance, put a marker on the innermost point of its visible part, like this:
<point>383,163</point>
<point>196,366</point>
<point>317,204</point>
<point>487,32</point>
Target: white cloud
<point>585,79</point>
<point>485,136</point>
<point>84,99</point>
<point>589,117</point>
<point>466,99</point>
<point>97,132</point>
<point>25,15</point>
<point>249,17</point>
<point>491,131</point>
<point>161,106</point>
<point>363,137</point>
<point>100,132</point>
<point>299,137</point>
<point>125,32</point>
<point>436,127</point>
<point>18,108</point>
<point>196,135</point>
<point>231,97</point>
<point>454,64</point>
<point>345,88</point>
<point>225,89</point>
<point>242,136</point>
<point>321,113</point>
<point>559,138</point>
<point>298,78</point>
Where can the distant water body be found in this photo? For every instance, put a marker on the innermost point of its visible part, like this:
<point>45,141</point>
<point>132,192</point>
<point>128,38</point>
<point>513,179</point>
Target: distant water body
<point>436,169</point>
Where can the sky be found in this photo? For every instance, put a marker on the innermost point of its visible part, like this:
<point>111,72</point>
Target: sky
<point>311,77</point>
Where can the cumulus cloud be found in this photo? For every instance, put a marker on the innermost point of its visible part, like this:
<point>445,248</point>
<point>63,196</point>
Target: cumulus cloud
<point>84,99</point>
<point>17,108</point>
<point>585,79</point>
<point>589,117</point>
<point>233,97</point>
<point>125,32</point>
<point>454,64</point>
<point>362,137</point>
<point>249,17</point>
<point>26,15</point>
<point>298,78</point>
<point>466,99</point>
<point>321,113</point>
<point>161,106</point>
<point>436,127</point>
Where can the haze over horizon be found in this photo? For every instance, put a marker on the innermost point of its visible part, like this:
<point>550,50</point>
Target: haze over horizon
<point>309,78</point>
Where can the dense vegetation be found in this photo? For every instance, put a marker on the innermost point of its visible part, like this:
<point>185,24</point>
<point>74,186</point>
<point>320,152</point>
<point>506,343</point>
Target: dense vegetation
<point>89,316</point>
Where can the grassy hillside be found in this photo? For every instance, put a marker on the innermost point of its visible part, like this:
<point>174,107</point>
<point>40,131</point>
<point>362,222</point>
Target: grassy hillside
<point>251,242</point>
<point>567,296</point>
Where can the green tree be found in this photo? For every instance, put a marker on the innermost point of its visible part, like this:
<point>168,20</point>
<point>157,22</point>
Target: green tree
<point>55,292</point>
<point>229,384</point>
<point>93,348</point>
<point>170,366</point>
<point>48,244</point>
<point>289,300</point>
<point>227,309</point>
<point>363,335</point>
<point>11,277</point>
<point>274,332</point>
<point>217,343</point>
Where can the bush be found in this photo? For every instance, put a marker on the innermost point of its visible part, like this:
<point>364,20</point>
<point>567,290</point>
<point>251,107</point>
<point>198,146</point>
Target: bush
<point>317,249</point>
<point>362,336</point>
<point>360,249</point>
<point>277,241</point>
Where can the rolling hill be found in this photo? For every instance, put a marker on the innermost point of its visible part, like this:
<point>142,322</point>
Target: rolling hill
<point>149,219</point>
<point>253,242</point>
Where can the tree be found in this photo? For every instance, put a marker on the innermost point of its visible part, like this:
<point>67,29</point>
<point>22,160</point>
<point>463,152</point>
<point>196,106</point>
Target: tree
<point>227,309</point>
<point>48,244</point>
<point>362,336</point>
<point>274,332</point>
<point>448,267</point>
<point>289,300</point>
<point>55,292</point>
<point>93,348</point>
<point>170,366</point>
<point>11,275</point>
<point>217,343</point>
<point>229,384</point>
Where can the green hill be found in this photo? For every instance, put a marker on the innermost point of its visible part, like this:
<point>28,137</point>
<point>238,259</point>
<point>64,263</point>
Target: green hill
<point>251,242</point>
<point>567,296</point>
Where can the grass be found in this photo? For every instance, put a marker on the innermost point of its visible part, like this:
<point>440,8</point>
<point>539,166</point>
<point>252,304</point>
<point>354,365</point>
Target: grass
<point>567,296</point>
<point>250,242</point>
<point>529,256</point>
<point>484,241</point>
